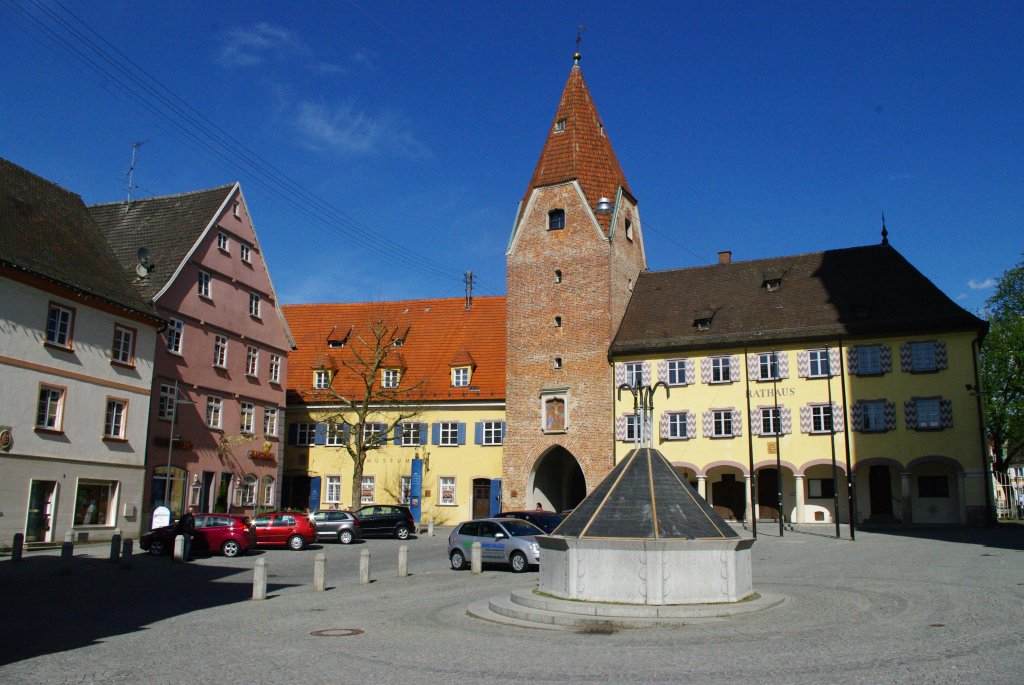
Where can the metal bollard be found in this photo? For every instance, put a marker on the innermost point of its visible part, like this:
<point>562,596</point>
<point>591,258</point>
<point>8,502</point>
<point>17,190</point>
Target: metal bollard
<point>127,550</point>
<point>403,561</point>
<point>476,564</point>
<point>67,552</point>
<point>259,579</point>
<point>319,571</point>
<point>179,548</point>
<point>19,545</point>
<point>115,546</point>
<point>430,527</point>
<point>364,567</point>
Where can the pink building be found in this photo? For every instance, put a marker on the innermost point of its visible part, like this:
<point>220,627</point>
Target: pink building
<point>221,361</point>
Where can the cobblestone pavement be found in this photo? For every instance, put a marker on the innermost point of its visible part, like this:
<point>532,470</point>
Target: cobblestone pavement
<point>897,606</point>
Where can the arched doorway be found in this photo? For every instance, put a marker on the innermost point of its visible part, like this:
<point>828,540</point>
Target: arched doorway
<point>880,493</point>
<point>557,482</point>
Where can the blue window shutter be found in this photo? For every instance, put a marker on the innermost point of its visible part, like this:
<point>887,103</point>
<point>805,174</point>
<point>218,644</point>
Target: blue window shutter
<point>462,434</point>
<point>314,492</point>
<point>293,433</point>
<point>478,433</point>
<point>435,434</point>
<point>320,435</point>
<point>423,434</point>
<point>503,432</point>
<point>398,434</point>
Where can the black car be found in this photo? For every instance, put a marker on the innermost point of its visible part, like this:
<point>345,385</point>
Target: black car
<point>386,519</point>
<point>335,524</point>
<point>545,520</point>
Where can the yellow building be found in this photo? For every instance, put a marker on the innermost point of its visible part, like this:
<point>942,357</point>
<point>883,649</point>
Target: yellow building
<point>804,368</point>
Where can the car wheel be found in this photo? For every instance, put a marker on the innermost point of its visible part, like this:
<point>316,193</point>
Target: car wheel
<point>230,548</point>
<point>518,562</point>
<point>157,548</point>
<point>297,543</point>
<point>458,561</point>
<point>402,533</point>
<point>345,537</point>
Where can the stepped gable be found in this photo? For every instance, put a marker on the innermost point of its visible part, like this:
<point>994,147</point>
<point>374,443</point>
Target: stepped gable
<point>582,151</point>
<point>644,498</point>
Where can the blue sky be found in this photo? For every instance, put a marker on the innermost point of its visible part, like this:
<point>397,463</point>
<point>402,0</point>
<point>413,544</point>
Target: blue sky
<point>383,147</point>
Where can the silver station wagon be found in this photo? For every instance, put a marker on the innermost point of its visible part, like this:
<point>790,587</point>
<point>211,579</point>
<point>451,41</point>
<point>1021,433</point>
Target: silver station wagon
<point>502,541</point>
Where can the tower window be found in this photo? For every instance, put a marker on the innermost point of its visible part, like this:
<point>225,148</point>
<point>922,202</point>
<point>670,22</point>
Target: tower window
<point>556,219</point>
<point>558,362</point>
<point>629,230</point>
<point>558,275</point>
<point>558,322</point>
<point>559,125</point>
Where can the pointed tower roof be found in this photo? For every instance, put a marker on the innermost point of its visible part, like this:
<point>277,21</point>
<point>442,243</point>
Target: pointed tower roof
<point>578,148</point>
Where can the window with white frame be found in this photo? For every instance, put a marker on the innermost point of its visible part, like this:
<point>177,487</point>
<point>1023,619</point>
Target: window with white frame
<point>448,433</point>
<point>768,366</point>
<point>248,490</point>
<point>447,488</point>
<point>821,418</point>
<point>677,425</point>
<point>94,502</point>
<point>252,360</point>
<point>254,305</point>
<point>270,421</point>
<point>819,364</point>
<point>60,323</point>
<point>367,490</point>
<point>928,413</point>
<point>634,374</point>
<point>204,287</point>
<point>222,241</point>
<point>556,219</point>
<point>214,412</point>
<point>389,378</point>
<point>460,376</point>
<point>220,351</point>
<point>404,489</point>
<point>335,436</point>
<point>492,433</point>
<point>321,379</point>
<point>410,434</point>
<point>275,368</point>
<point>873,416</point>
<point>50,410</point>
<point>114,422</point>
<point>305,434</point>
<point>175,329</point>
<point>247,417</point>
<point>267,491</point>
<point>333,490</point>
<point>632,427</point>
<point>721,423</point>
<point>123,350</point>
<point>922,356</point>
<point>168,402</point>
<point>771,421</point>
<point>245,253</point>
<point>677,372</point>
<point>721,369</point>
<point>373,433</point>
<point>236,209</point>
<point>869,360</point>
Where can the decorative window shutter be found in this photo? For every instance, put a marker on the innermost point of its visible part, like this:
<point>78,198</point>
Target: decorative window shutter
<point>691,376</point>
<point>754,367</point>
<point>885,358</point>
<point>462,433</point>
<point>478,433</point>
<point>890,416</point>
<point>910,412</point>
<point>786,419</point>
<point>946,413</point>
<point>705,370</point>
<point>857,416</point>
<point>783,365</point>
<point>663,370</point>
<point>852,364</point>
<point>435,434</point>
<point>708,424</point>
<point>835,361</point>
<point>837,418</point>
<point>663,428</point>
<point>941,359</point>
<point>734,368</point>
<point>320,434</point>
<point>645,373</point>
<point>805,419</point>
<point>737,418</point>
<point>620,374</point>
<point>803,363</point>
<point>906,358</point>
<point>620,427</point>
<point>691,425</point>
<point>755,422</point>
<point>398,434</point>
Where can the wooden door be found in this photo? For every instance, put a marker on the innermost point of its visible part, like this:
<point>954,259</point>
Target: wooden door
<point>481,498</point>
<point>728,497</point>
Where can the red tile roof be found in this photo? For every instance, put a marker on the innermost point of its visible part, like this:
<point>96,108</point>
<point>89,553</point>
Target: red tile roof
<point>582,151</point>
<point>433,332</point>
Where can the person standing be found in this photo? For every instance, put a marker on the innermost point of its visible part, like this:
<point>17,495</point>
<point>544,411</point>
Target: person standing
<point>187,529</point>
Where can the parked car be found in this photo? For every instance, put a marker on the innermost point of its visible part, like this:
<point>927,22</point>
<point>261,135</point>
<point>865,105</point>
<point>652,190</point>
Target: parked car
<point>229,534</point>
<point>386,519</point>
<point>291,528</point>
<point>336,524</point>
<point>545,520</point>
<point>502,541</point>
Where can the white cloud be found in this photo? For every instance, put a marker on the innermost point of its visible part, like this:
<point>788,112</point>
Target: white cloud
<point>961,297</point>
<point>346,128</point>
<point>975,284</point>
<point>253,45</point>
<point>365,60</point>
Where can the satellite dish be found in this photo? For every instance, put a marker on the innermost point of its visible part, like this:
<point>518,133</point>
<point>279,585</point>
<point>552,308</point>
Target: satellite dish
<point>143,255</point>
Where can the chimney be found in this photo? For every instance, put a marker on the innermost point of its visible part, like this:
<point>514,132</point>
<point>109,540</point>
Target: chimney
<point>725,257</point>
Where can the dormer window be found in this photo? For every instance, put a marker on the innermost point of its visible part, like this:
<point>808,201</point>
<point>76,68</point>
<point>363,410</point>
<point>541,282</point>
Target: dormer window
<point>556,219</point>
<point>460,376</point>
<point>321,379</point>
<point>772,280</point>
<point>702,324</point>
<point>389,378</point>
<point>559,125</point>
<point>398,342</point>
<point>335,344</point>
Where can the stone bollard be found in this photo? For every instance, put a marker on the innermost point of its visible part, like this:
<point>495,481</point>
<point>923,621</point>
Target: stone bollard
<point>430,527</point>
<point>115,546</point>
<point>19,545</point>
<point>259,579</point>
<point>476,564</point>
<point>179,548</point>
<point>319,572</point>
<point>403,561</point>
<point>67,552</point>
<point>364,567</point>
<point>127,550</point>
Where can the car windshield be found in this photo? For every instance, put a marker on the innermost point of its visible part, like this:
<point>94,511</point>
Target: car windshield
<point>549,520</point>
<point>517,528</point>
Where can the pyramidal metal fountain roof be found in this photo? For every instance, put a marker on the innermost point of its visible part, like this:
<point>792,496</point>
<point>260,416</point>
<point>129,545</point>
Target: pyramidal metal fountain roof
<point>644,497</point>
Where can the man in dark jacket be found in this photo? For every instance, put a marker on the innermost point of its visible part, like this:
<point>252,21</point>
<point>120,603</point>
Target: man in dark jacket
<point>187,528</point>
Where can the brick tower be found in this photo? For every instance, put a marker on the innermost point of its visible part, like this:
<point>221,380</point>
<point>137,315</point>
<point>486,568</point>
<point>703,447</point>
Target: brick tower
<point>575,253</point>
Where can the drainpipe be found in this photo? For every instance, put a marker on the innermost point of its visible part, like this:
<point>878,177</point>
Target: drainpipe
<point>750,444</point>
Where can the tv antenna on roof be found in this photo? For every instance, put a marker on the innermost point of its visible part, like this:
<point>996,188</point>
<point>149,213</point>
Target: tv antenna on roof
<point>131,171</point>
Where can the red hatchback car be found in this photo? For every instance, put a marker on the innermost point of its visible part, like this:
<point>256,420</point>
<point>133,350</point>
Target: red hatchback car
<point>229,534</point>
<point>279,528</point>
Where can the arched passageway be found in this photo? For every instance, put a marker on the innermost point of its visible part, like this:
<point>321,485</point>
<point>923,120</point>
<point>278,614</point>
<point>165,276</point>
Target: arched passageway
<point>557,481</point>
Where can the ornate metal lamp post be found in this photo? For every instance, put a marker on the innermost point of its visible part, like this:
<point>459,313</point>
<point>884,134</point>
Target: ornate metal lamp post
<point>643,410</point>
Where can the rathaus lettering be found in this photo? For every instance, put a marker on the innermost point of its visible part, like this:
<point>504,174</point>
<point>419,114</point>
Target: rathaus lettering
<point>772,392</point>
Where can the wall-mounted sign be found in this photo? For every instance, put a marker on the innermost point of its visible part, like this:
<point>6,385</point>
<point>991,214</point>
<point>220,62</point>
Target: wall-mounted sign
<point>6,439</point>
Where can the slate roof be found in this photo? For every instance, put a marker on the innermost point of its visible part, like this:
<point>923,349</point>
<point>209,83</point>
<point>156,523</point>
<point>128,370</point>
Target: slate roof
<point>434,333</point>
<point>867,290</point>
<point>167,226</point>
<point>644,498</point>
<point>46,231</point>
<point>582,151</point>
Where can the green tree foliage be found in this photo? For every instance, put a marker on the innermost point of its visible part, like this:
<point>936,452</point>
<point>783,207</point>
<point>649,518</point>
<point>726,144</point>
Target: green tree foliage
<point>1002,368</point>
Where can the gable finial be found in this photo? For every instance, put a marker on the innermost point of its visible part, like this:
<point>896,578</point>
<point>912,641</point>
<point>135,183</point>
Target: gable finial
<point>885,231</point>
<point>579,38</point>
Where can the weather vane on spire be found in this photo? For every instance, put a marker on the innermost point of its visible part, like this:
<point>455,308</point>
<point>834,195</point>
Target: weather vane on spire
<point>579,39</point>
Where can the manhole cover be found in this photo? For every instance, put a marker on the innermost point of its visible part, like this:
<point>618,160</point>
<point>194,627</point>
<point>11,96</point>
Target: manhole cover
<point>337,632</point>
